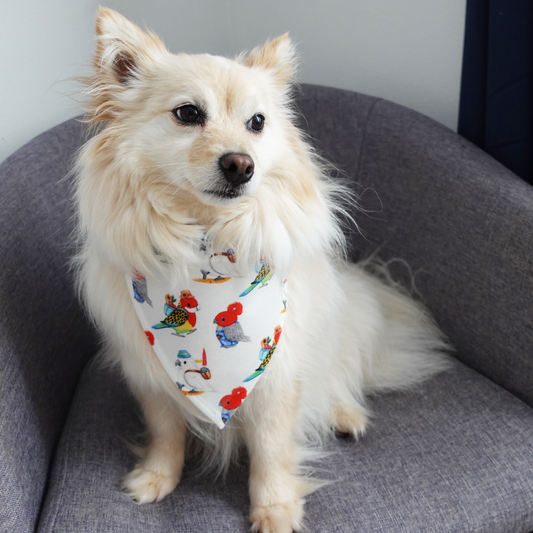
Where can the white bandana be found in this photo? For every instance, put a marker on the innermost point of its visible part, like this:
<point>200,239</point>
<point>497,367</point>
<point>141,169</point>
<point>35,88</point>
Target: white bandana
<point>216,332</point>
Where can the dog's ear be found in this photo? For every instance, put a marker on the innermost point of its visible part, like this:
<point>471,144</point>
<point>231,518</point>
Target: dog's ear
<point>123,49</point>
<point>278,56</point>
<point>124,53</point>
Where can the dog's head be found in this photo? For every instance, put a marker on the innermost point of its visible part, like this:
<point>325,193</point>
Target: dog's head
<point>206,124</point>
<point>194,144</point>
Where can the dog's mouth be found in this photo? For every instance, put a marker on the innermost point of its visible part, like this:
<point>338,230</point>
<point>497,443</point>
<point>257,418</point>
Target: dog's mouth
<point>225,194</point>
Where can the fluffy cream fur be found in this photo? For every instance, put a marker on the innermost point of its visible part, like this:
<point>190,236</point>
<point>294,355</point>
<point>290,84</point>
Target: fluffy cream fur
<point>143,182</point>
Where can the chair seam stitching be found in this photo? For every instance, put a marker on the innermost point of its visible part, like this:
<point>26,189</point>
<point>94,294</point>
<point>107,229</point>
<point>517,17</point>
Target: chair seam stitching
<point>65,469</point>
<point>363,136</point>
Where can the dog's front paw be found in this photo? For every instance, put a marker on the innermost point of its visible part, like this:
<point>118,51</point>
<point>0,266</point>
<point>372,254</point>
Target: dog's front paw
<point>278,518</point>
<point>145,486</point>
<point>348,420</point>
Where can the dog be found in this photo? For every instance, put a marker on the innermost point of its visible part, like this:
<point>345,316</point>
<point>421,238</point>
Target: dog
<point>197,158</point>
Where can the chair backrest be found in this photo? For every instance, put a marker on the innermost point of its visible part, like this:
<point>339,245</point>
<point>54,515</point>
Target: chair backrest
<point>460,220</point>
<point>45,339</point>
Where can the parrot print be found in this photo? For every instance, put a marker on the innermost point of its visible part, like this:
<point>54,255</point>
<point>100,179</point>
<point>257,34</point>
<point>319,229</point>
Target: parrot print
<point>140,288</point>
<point>229,332</point>
<point>265,353</point>
<point>230,402</point>
<point>182,317</point>
<point>264,273</point>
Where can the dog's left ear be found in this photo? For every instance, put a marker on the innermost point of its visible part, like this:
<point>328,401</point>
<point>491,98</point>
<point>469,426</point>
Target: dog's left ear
<point>277,56</point>
<point>124,54</point>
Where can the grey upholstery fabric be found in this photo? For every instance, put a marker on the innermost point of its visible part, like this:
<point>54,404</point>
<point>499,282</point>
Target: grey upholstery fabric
<point>461,221</point>
<point>335,121</point>
<point>44,338</point>
<point>454,455</point>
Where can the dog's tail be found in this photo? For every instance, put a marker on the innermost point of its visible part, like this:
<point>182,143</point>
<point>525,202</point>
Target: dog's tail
<point>387,340</point>
<point>411,347</point>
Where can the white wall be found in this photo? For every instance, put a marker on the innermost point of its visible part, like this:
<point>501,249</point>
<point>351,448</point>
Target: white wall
<point>42,43</point>
<point>409,51</point>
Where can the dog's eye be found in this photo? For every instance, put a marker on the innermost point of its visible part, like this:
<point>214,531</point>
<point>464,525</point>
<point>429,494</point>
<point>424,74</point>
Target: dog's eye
<point>256,123</point>
<point>188,114</point>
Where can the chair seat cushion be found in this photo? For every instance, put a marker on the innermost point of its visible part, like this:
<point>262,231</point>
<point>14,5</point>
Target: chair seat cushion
<point>456,454</point>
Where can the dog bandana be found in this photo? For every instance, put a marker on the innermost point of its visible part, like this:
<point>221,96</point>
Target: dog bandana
<point>216,331</point>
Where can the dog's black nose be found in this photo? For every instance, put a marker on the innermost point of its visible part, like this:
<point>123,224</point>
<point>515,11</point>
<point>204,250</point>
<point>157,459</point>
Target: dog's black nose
<point>237,168</point>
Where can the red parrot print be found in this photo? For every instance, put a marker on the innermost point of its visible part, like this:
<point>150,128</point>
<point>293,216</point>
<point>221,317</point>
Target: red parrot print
<point>229,332</point>
<point>182,317</point>
<point>231,402</point>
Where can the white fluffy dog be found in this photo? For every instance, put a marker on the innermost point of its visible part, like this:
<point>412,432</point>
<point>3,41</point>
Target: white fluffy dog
<point>156,176</point>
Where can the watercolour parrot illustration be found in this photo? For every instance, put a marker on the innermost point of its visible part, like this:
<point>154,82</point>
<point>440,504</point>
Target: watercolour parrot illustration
<point>229,332</point>
<point>230,402</point>
<point>277,334</point>
<point>195,380</point>
<point>140,288</point>
<point>182,317</point>
<point>150,337</point>
<point>264,273</point>
<point>266,353</point>
<point>265,348</point>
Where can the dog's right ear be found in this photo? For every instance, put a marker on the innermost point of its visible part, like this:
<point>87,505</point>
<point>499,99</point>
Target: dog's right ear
<point>124,54</point>
<point>123,50</point>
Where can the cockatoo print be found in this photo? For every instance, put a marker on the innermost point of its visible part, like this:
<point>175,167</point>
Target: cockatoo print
<point>219,272</point>
<point>229,332</point>
<point>264,273</point>
<point>193,381</point>
<point>182,317</point>
<point>265,353</point>
<point>140,288</point>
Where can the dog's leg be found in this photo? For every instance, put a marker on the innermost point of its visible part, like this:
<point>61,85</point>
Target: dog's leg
<point>159,470</point>
<point>275,489</point>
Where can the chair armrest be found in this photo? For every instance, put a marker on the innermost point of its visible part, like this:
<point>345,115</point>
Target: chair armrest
<point>45,339</point>
<point>461,221</point>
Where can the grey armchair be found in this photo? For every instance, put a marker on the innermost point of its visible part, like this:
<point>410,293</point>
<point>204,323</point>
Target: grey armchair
<point>456,454</point>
